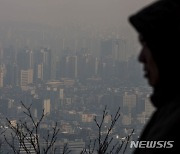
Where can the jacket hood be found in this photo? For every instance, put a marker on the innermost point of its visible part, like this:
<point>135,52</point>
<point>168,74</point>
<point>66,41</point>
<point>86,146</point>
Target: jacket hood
<point>159,24</point>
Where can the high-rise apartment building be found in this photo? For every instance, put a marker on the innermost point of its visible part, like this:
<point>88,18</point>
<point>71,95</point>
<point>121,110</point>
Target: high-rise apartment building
<point>129,100</point>
<point>47,106</point>
<point>40,71</point>
<point>71,62</point>
<point>119,51</point>
<point>26,78</point>
<point>2,73</point>
<point>46,61</point>
<point>25,59</point>
<point>1,79</point>
<point>115,48</point>
<point>106,48</point>
<point>1,56</point>
<point>42,64</point>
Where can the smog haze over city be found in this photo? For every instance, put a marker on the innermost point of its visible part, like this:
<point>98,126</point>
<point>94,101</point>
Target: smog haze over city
<point>70,59</point>
<point>56,12</point>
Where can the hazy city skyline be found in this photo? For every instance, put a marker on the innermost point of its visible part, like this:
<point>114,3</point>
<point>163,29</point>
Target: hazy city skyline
<point>70,59</point>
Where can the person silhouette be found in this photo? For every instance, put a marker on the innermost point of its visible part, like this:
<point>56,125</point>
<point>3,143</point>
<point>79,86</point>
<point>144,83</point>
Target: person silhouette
<point>158,26</point>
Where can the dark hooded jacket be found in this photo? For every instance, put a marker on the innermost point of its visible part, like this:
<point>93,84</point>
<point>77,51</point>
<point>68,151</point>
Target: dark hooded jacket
<point>159,24</point>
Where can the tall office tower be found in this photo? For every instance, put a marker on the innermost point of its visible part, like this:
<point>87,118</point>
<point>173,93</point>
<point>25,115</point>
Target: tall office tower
<point>47,106</point>
<point>1,56</point>
<point>71,63</point>
<point>61,65</point>
<point>1,79</point>
<point>106,48</point>
<point>109,55</point>
<point>119,51</point>
<point>45,59</point>
<point>26,78</point>
<point>2,74</point>
<point>86,66</point>
<point>61,68</point>
<point>106,68</point>
<point>61,94</point>
<point>90,65</point>
<point>12,74</point>
<point>96,65</point>
<point>42,64</point>
<point>115,48</point>
<point>37,65</point>
<point>9,56</point>
<point>31,59</point>
<point>40,71</point>
<point>25,59</point>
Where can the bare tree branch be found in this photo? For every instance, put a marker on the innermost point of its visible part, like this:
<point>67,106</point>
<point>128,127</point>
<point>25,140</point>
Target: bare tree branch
<point>27,134</point>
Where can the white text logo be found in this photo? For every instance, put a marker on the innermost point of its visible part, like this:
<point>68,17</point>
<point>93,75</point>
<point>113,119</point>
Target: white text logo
<point>151,144</point>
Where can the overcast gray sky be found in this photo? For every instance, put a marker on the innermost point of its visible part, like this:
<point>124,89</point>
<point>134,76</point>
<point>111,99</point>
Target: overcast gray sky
<point>56,12</point>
